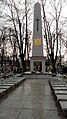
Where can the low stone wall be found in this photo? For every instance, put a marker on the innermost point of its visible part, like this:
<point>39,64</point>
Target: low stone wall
<point>37,75</point>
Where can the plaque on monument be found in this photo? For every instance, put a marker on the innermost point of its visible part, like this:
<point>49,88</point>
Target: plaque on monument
<point>37,62</point>
<point>37,66</point>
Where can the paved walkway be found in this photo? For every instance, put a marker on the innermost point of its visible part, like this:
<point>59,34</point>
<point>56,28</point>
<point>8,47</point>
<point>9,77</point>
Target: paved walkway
<point>33,99</point>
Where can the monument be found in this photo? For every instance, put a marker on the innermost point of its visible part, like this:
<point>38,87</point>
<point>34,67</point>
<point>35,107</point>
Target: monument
<point>37,62</point>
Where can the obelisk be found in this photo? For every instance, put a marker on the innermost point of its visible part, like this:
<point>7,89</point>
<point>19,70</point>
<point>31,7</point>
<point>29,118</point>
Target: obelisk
<point>37,62</point>
<point>37,32</point>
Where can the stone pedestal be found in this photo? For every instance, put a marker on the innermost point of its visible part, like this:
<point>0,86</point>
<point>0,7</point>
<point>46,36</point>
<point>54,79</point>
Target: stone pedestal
<point>37,64</point>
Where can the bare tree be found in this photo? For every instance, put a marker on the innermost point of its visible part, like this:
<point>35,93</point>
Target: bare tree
<point>52,34</point>
<point>18,29</point>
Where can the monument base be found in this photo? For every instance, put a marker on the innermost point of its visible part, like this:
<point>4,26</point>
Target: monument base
<point>37,64</point>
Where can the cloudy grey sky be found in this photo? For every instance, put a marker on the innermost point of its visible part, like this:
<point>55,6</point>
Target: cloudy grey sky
<point>48,9</point>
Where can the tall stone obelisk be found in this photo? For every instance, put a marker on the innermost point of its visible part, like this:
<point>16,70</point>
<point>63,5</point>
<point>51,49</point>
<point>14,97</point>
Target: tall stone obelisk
<point>37,32</point>
<point>37,62</point>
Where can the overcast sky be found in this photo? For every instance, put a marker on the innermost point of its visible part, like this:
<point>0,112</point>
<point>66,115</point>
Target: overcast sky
<point>47,10</point>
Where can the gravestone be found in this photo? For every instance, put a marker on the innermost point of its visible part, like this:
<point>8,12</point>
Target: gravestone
<point>63,105</point>
<point>61,85</point>
<point>2,90</point>
<point>62,97</point>
<point>37,62</point>
<point>5,87</point>
<point>60,88</point>
<point>60,92</point>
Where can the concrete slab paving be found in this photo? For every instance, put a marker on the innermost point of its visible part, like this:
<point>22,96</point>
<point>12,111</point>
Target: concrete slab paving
<point>12,104</point>
<point>33,99</point>
<point>39,114</point>
<point>40,104</point>
<point>9,114</point>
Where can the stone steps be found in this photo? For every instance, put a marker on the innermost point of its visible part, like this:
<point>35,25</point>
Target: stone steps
<point>59,90</point>
<point>37,75</point>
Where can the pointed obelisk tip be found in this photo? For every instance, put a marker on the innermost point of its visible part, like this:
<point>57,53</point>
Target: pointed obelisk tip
<point>37,3</point>
<point>37,31</point>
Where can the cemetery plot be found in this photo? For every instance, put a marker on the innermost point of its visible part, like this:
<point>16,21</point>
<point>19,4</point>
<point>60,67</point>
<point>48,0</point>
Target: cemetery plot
<point>59,90</point>
<point>56,82</point>
<point>56,85</point>
<point>9,84</point>
<point>5,87</point>
<point>6,84</point>
<point>12,82</point>
<point>61,97</point>
<point>2,91</point>
<point>63,105</point>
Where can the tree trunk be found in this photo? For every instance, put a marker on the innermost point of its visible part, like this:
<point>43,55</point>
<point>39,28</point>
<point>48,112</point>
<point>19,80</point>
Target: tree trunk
<point>53,67</point>
<point>23,62</point>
